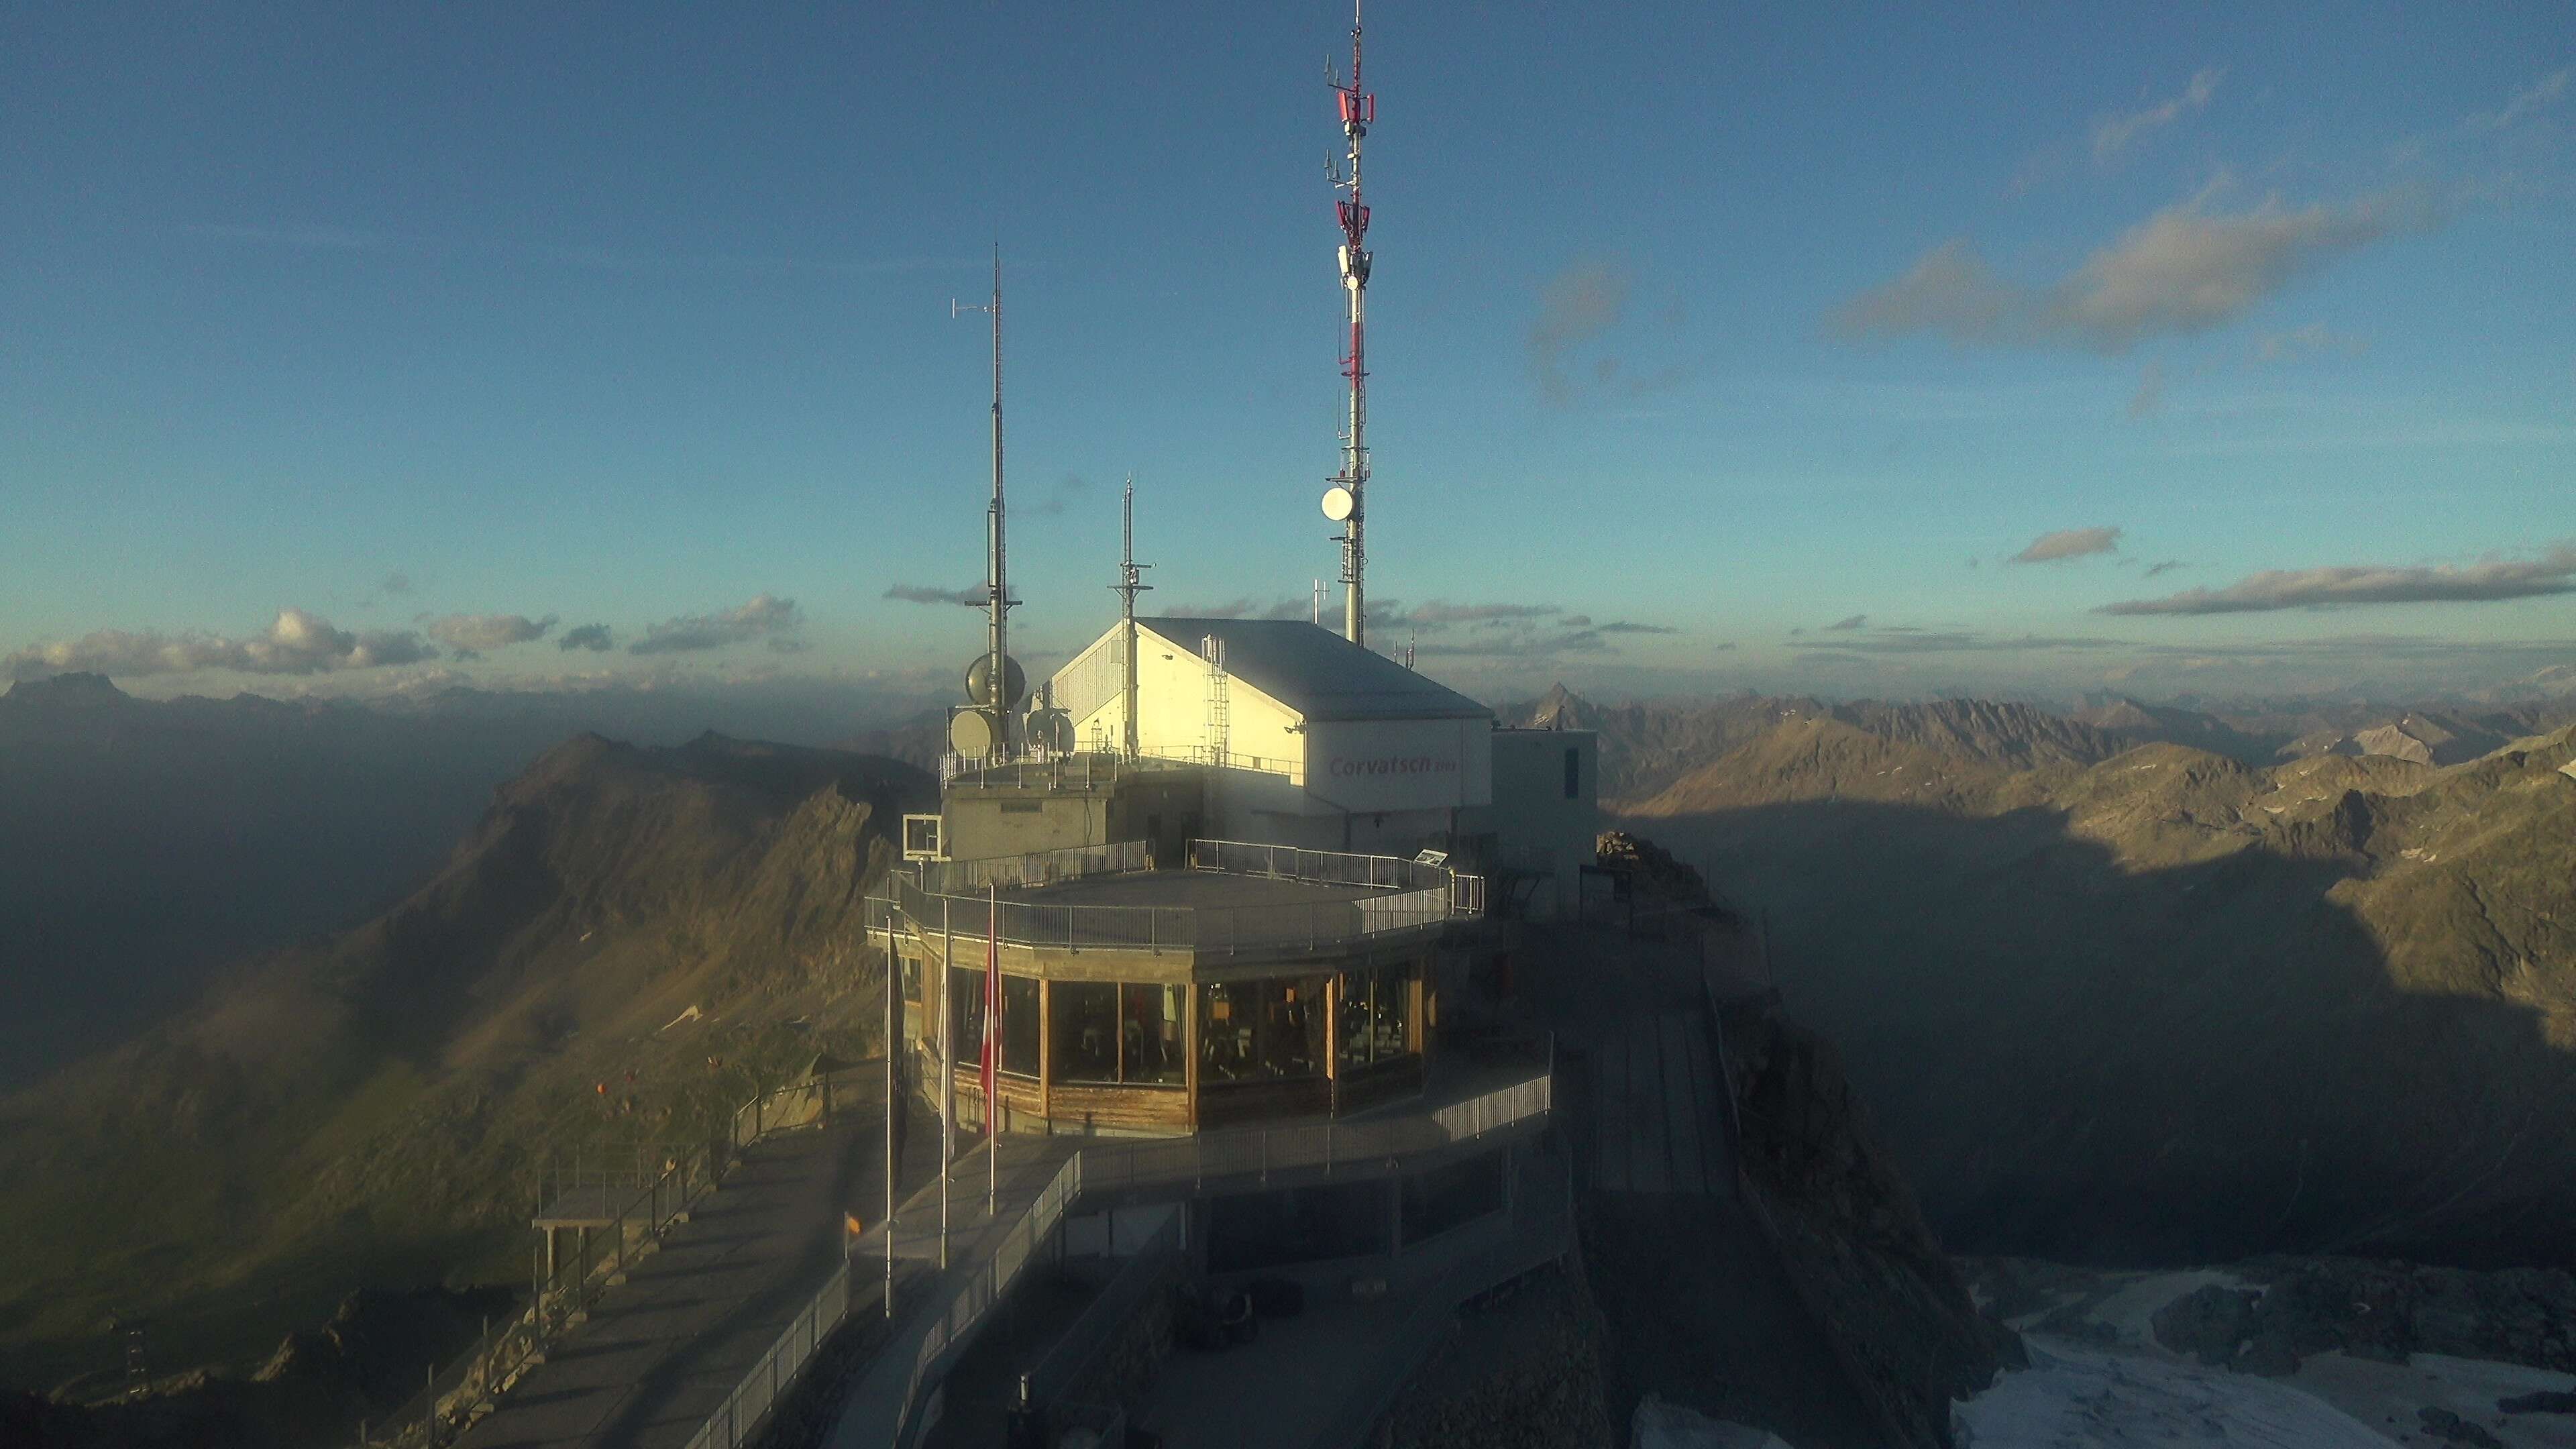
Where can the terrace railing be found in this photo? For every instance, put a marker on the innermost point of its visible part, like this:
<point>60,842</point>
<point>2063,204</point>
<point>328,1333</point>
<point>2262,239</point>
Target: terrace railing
<point>775,1372</point>
<point>1226,930</point>
<point>1110,1166</point>
<point>1044,867</point>
<point>452,1399</point>
<point>1322,867</point>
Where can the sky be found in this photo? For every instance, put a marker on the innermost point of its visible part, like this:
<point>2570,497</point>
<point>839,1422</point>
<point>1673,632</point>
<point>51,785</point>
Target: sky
<point>2167,350</point>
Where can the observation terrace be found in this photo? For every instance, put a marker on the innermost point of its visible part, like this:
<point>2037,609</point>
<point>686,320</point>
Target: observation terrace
<point>1258,981</point>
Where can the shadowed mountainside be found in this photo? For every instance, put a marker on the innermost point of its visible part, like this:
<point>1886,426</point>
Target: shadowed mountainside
<point>375,1107</point>
<point>144,844</point>
<point>2168,1006</point>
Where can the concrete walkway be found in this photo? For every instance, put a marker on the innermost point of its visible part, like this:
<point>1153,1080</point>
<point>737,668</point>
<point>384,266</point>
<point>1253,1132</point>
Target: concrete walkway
<point>663,1350</point>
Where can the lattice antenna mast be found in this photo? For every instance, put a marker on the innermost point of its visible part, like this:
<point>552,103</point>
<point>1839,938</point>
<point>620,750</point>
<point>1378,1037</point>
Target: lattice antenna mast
<point>997,602</point>
<point>1131,582</point>
<point>1346,502</point>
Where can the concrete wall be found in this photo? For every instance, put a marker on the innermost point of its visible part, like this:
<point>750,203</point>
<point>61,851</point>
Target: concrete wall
<point>981,824</point>
<point>1535,823</point>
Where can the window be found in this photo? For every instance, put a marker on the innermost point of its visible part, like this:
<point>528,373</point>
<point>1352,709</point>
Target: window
<point>1149,1029</point>
<point>965,1013</point>
<point>1126,1033</point>
<point>1020,1022</point>
<point>1573,773</point>
<point>1086,1031</point>
<point>1290,1039</point>
<point>1263,1030</point>
<point>1225,1031</point>
<point>1377,1014</point>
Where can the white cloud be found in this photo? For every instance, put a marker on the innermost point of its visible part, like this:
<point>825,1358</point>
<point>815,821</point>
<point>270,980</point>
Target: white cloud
<point>2184,270</point>
<point>2537,97</point>
<point>766,616</point>
<point>476,633</point>
<point>298,642</point>
<point>2552,573</point>
<point>2112,134</point>
<point>2069,543</point>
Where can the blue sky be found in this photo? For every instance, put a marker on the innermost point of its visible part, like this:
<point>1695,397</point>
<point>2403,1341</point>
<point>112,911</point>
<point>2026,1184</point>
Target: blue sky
<point>428,325</point>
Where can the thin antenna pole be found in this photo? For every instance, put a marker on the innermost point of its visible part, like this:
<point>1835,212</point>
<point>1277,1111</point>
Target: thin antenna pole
<point>1359,112</point>
<point>997,599</point>
<point>1131,582</point>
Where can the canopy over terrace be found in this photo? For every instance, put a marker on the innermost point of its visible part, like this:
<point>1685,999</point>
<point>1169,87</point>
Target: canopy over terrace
<point>1261,982</point>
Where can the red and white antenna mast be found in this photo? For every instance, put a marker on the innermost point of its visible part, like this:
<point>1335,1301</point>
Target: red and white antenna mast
<point>1346,501</point>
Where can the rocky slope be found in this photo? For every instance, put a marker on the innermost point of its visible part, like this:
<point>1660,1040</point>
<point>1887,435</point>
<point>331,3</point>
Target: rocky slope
<point>2171,1006</point>
<point>630,941</point>
<point>1849,1232</point>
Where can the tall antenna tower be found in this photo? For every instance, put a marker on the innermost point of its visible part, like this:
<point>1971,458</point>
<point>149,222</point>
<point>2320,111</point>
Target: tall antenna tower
<point>1345,502</point>
<point>1131,582</point>
<point>996,685</point>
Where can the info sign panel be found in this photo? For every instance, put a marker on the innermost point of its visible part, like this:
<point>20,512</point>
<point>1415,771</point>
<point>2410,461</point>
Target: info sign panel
<point>1378,765</point>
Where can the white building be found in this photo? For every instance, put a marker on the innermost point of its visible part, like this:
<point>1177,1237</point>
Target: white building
<point>1315,741</point>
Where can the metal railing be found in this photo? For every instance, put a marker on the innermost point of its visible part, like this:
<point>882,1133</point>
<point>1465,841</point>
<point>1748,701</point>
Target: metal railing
<point>1293,768</point>
<point>1078,1352</point>
<point>1217,930</point>
<point>742,1411</point>
<point>451,1400</point>
<point>983,1289</point>
<point>1042,769</point>
<point>1111,1166</point>
<point>1043,867</point>
<point>1323,867</point>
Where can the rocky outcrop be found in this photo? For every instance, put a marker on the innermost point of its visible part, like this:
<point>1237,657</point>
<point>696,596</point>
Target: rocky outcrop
<point>2376,1310</point>
<point>1525,1373</point>
<point>1849,1232</point>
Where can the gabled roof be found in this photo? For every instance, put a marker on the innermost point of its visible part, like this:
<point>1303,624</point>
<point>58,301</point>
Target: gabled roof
<point>1317,672</point>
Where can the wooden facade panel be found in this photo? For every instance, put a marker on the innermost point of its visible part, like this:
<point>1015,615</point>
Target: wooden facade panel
<point>1125,1109</point>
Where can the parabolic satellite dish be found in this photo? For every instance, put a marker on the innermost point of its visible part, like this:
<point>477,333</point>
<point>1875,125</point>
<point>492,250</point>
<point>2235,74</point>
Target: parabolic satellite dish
<point>1337,503</point>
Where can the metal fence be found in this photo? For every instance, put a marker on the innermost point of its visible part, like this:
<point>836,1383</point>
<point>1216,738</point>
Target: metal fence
<point>1039,768</point>
<point>1044,867</point>
<point>1111,1166</point>
<point>983,1289</point>
<point>1323,867</point>
<point>1219,930</point>
<point>740,1415</point>
<point>451,1400</point>
<point>1079,1350</point>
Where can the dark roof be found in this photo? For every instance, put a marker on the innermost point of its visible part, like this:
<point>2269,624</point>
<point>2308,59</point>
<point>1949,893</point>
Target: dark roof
<point>1317,672</point>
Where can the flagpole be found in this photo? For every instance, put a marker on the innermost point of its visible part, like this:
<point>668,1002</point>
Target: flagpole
<point>947,1070</point>
<point>992,1048</point>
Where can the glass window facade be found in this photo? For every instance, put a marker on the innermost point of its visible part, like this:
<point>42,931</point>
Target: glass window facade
<point>1020,1022</point>
<point>1263,1030</point>
<point>1377,1014</point>
<point>966,1013</point>
<point>1112,1033</point>
<point>1085,1017</point>
<point>1151,1035</point>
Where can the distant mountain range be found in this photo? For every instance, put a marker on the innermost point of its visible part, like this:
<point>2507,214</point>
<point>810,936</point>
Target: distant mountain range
<point>2120,994</point>
<point>1647,746</point>
<point>630,941</point>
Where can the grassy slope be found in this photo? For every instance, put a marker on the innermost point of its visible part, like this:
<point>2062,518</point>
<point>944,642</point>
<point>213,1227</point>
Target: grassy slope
<point>379,1107</point>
